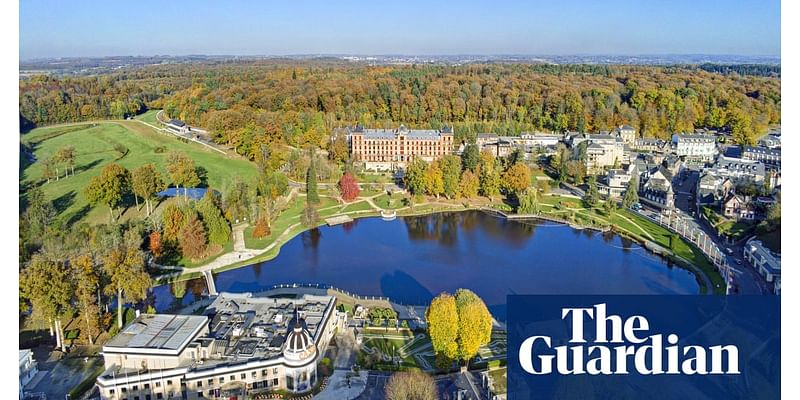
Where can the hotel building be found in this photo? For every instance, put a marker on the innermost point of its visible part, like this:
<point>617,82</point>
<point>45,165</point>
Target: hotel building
<point>388,150</point>
<point>243,345</point>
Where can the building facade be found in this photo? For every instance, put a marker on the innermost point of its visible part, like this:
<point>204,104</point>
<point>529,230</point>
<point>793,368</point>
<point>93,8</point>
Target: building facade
<point>767,263</point>
<point>695,147</point>
<point>242,346</point>
<point>770,157</point>
<point>389,150</point>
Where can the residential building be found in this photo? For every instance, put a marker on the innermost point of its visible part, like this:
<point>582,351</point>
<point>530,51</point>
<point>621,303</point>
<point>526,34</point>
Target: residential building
<point>739,170</point>
<point>388,150</point>
<point>772,140</point>
<point>626,133</point>
<point>694,146</point>
<point>770,157</point>
<point>28,368</point>
<point>602,150</point>
<point>499,146</point>
<point>649,145</point>
<point>738,207</point>
<point>616,181</point>
<point>712,189</point>
<point>538,139</point>
<point>243,345</point>
<point>656,188</point>
<point>178,126</point>
<point>767,263</point>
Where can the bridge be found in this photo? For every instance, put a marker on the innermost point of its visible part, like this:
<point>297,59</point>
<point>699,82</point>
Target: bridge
<point>212,287</point>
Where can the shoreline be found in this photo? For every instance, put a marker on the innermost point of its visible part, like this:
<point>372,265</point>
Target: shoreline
<point>703,280</point>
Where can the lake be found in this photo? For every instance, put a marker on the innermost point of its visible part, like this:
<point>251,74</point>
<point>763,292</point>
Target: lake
<point>412,259</point>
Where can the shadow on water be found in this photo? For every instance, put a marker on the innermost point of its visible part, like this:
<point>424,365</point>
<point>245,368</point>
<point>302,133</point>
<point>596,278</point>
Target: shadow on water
<point>403,288</point>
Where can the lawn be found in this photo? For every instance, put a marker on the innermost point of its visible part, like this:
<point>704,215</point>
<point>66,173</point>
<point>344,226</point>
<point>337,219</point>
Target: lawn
<point>499,380</point>
<point>149,117</point>
<point>387,202</point>
<point>95,147</point>
<point>357,206</point>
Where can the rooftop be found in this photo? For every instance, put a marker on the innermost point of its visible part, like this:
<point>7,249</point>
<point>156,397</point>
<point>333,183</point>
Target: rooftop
<point>158,332</point>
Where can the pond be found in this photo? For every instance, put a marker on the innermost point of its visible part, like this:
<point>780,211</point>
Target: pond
<point>412,259</point>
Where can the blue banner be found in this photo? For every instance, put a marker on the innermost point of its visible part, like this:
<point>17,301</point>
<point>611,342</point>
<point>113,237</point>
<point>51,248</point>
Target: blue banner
<point>643,347</point>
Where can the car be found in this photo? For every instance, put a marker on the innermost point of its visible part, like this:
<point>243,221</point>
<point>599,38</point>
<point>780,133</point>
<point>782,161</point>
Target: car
<point>739,262</point>
<point>729,250</point>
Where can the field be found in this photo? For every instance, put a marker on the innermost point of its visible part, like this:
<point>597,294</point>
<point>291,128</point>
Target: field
<point>97,145</point>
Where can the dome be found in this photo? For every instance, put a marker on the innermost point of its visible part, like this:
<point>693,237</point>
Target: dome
<point>299,345</point>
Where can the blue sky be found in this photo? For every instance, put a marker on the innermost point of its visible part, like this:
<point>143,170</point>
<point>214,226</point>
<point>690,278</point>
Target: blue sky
<point>556,27</point>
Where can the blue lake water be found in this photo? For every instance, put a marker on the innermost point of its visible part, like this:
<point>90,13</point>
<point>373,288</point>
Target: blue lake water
<point>413,259</point>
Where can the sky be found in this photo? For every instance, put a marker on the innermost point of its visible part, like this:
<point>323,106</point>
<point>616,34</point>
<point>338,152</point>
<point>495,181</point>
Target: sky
<point>50,28</point>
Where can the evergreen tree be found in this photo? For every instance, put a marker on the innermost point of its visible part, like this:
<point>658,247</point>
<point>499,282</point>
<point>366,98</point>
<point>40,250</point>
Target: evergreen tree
<point>312,197</point>
<point>631,196</point>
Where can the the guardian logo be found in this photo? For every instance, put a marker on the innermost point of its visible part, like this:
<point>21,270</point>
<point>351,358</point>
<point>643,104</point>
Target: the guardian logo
<point>622,346</point>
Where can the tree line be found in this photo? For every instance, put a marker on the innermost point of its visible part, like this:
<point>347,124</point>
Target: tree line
<point>247,104</point>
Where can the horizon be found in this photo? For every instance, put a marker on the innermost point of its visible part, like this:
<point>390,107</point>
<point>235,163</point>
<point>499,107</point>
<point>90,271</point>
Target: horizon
<point>51,30</point>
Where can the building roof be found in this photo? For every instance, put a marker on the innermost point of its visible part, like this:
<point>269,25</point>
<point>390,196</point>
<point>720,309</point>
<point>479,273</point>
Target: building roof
<point>411,134</point>
<point>693,138</point>
<point>762,150</point>
<point>177,122</point>
<point>164,332</point>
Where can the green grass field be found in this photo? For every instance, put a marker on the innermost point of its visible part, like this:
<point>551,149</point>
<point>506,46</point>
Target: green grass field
<point>95,147</point>
<point>149,117</point>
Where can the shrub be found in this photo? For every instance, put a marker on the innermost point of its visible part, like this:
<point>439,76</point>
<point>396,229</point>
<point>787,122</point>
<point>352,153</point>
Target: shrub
<point>160,149</point>
<point>261,229</point>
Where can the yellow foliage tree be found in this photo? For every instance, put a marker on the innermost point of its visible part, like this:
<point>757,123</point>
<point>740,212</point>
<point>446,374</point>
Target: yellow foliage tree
<point>442,320</point>
<point>474,323</point>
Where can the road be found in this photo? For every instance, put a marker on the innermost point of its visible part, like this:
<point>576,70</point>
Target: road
<point>746,279</point>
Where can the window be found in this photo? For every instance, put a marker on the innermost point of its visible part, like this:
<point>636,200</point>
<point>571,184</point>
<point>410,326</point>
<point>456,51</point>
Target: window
<point>135,388</point>
<point>169,382</point>
<point>233,377</point>
<point>159,395</point>
<point>264,372</point>
<point>158,384</point>
<point>147,386</point>
<point>110,391</point>
<point>200,394</point>
<point>199,383</point>
<point>243,376</point>
<point>275,371</point>
<point>254,374</point>
<point>124,389</point>
<point>221,379</point>
<point>211,382</point>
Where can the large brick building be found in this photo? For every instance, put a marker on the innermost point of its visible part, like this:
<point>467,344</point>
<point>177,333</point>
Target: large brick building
<point>390,149</point>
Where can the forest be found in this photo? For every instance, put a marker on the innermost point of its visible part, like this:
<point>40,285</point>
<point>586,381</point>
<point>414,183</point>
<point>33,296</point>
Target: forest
<point>247,104</point>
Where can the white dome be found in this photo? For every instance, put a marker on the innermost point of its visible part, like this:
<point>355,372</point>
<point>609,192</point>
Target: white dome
<point>299,345</point>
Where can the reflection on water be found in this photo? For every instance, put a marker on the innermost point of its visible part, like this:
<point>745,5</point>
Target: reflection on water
<point>412,259</point>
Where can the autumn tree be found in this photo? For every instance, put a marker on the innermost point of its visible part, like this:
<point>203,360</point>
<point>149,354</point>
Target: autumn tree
<point>182,171</point>
<point>451,172</point>
<point>442,317</point>
<point>87,280</point>
<point>489,176</point>
<point>146,182</point>
<point>414,177</point>
<point>434,181</point>
<point>128,280</point>
<point>338,150</point>
<point>469,184</point>
<point>516,178</point>
<point>46,284</point>
<point>173,219</point>
<point>66,155</point>
<point>192,237</point>
<point>109,188</point>
<point>38,214</point>
<point>474,324</point>
<point>155,244</point>
<point>411,385</point>
<point>349,187</point>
